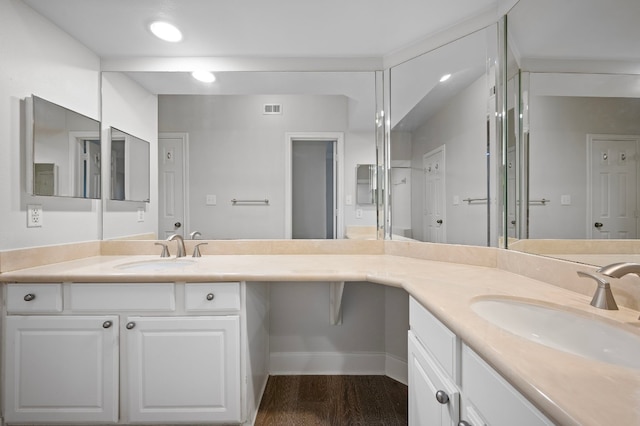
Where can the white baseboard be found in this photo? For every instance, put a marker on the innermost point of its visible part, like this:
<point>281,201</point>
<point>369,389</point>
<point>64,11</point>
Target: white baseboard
<point>397,369</point>
<point>357,363</point>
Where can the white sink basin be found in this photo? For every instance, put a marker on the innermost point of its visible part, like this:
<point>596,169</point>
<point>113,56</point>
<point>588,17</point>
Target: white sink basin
<point>156,264</point>
<point>563,330</point>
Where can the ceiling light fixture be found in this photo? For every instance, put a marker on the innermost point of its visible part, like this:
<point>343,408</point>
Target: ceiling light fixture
<point>204,76</point>
<point>165,31</point>
<point>445,78</point>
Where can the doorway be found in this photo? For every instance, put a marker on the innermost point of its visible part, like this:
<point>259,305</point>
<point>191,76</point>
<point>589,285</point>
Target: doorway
<point>612,169</point>
<point>314,185</point>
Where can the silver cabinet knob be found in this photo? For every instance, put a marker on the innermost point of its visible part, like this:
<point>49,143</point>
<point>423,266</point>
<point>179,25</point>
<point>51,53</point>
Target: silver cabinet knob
<point>439,221</point>
<point>442,397</point>
<point>210,296</point>
<point>107,324</point>
<point>130,325</point>
<point>464,423</point>
<point>29,297</point>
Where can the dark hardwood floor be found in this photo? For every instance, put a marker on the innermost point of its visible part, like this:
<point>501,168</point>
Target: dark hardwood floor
<point>333,400</point>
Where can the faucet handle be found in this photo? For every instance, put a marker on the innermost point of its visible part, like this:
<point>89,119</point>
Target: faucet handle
<point>165,249</point>
<point>196,249</point>
<point>603,297</point>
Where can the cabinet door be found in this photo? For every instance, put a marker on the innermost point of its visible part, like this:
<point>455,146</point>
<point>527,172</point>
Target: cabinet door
<point>61,369</point>
<point>427,382</point>
<point>183,369</point>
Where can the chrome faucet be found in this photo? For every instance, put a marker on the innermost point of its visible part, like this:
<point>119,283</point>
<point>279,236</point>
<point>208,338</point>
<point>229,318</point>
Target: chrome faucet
<point>180,242</point>
<point>619,270</point>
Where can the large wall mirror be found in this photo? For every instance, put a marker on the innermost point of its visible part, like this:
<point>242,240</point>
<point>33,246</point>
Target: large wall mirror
<point>63,155</point>
<point>575,127</point>
<point>129,167</point>
<point>443,142</point>
<point>227,150</point>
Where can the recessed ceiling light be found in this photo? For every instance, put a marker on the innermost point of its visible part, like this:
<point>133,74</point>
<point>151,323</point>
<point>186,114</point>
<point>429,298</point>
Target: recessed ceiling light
<point>204,76</point>
<point>165,31</point>
<point>445,78</point>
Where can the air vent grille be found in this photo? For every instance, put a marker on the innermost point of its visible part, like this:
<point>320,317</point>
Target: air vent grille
<point>272,109</point>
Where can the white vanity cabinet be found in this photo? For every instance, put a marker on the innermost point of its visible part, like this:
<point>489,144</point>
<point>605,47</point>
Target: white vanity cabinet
<point>183,369</point>
<point>61,369</point>
<point>434,398</point>
<point>439,364</point>
<point>123,353</point>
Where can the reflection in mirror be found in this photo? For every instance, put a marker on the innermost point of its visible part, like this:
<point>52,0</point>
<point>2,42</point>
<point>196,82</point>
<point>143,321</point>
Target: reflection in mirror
<point>65,154</point>
<point>231,140</point>
<point>129,167</point>
<point>441,103</point>
<point>365,183</point>
<point>578,129</point>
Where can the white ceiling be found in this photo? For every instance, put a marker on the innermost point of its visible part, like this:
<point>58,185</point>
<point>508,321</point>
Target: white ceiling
<point>257,28</point>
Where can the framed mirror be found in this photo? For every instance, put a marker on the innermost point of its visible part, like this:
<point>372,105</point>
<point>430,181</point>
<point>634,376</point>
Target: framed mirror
<point>130,174</point>
<point>442,143</point>
<point>63,151</point>
<point>575,126</point>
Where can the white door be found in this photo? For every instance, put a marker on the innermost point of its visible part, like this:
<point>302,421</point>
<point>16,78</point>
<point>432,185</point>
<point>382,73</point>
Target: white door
<point>92,169</point>
<point>426,380</point>
<point>613,182</point>
<point>61,369</point>
<point>184,369</point>
<point>171,185</point>
<point>434,228</point>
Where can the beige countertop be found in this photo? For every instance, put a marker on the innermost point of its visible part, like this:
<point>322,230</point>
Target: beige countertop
<point>570,389</point>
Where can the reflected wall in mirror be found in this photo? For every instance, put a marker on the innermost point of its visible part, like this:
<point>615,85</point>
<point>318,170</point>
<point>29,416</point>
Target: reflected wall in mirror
<point>577,127</point>
<point>365,184</point>
<point>64,155</point>
<point>441,141</point>
<point>129,167</point>
<point>221,142</point>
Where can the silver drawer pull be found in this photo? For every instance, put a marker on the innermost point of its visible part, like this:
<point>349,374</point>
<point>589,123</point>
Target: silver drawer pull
<point>442,397</point>
<point>107,324</point>
<point>130,325</point>
<point>210,296</point>
<point>29,297</point>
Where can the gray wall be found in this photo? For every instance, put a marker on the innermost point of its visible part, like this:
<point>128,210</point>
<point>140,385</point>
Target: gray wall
<point>558,138</point>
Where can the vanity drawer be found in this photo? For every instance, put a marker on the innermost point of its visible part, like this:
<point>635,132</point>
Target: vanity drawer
<point>498,402</point>
<point>122,297</point>
<point>34,298</point>
<point>443,345</point>
<point>200,297</point>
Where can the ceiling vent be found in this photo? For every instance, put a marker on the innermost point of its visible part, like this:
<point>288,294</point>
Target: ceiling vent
<point>272,109</point>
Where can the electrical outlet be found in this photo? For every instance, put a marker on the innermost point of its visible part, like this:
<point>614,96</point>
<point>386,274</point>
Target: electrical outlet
<point>211,200</point>
<point>34,216</point>
<point>141,215</point>
<point>358,213</point>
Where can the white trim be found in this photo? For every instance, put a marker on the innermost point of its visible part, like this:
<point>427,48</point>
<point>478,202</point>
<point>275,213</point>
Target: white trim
<point>75,155</point>
<point>185,174</point>
<point>396,368</point>
<point>289,363</point>
<point>338,138</point>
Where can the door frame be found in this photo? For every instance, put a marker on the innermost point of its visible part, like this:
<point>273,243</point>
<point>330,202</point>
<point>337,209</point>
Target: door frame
<point>184,136</point>
<point>338,139</point>
<point>443,150</point>
<point>590,138</point>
